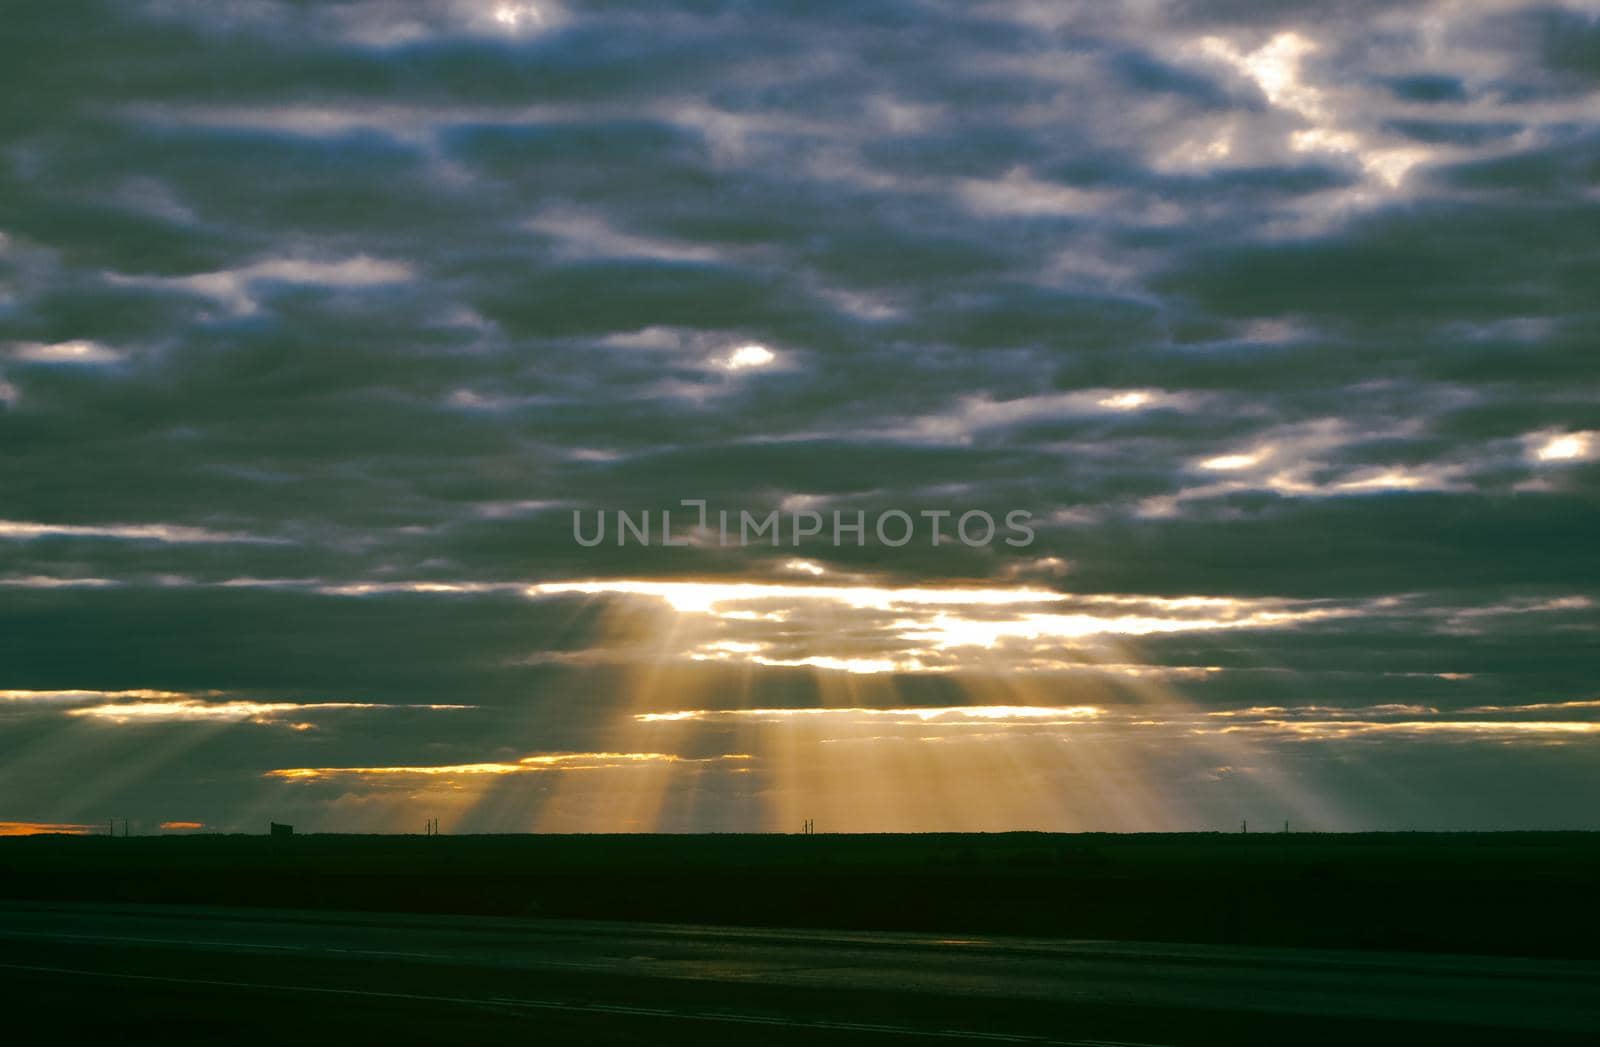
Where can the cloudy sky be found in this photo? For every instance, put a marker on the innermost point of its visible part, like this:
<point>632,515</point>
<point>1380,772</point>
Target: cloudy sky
<point>320,321</point>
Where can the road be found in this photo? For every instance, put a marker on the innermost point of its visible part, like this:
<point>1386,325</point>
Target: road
<point>190,975</point>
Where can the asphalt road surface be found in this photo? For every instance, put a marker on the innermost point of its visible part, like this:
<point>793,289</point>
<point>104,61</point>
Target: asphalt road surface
<point>189,975</point>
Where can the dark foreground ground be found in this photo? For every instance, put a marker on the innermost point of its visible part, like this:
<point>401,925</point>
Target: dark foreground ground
<point>78,973</point>
<point>1516,894</point>
<point>1016,938</point>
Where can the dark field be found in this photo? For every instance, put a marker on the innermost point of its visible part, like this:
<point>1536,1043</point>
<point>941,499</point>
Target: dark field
<point>1509,893</point>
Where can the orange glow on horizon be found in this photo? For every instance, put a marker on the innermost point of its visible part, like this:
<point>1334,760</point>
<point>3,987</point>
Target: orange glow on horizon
<point>45,828</point>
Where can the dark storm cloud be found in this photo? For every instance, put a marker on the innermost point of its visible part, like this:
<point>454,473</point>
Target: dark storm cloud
<point>1257,301</point>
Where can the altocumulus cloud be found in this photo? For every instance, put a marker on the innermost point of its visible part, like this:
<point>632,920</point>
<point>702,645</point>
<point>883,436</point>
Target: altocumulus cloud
<point>318,322</point>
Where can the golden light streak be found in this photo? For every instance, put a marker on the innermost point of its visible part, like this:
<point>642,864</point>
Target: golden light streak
<point>141,694</point>
<point>1272,711</point>
<point>1335,729</point>
<point>136,712</point>
<point>191,710</point>
<point>706,597</point>
<point>526,765</point>
<point>1587,703</point>
<point>39,828</point>
<point>963,713</point>
<point>947,631</point>
<point>844,665</point>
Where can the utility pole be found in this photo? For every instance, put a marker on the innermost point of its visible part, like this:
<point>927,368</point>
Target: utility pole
<point>1244,826</point>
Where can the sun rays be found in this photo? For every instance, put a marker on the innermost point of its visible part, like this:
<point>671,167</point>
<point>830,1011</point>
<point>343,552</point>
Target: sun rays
<point>1050,718</point>
<point>684,705</point>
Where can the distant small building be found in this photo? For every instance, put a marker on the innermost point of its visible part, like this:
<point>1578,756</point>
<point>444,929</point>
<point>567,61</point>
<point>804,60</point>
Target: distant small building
<point>281,830</point>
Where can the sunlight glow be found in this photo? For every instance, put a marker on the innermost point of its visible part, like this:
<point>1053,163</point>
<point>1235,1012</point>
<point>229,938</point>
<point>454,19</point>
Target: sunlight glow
<point>1128,401</point>
<point>1276,68</point>
<point>1567,447</point>
<point>512,15</point>
<point>74,352</point>
<point>748,356</point>
<point>1228,462</point>
<point>864,630</point>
